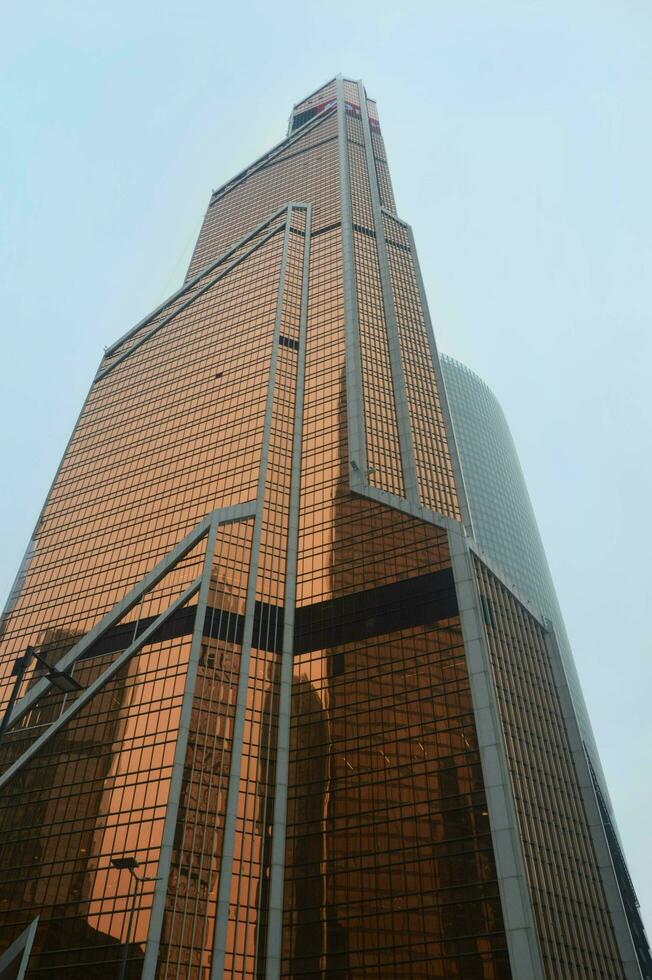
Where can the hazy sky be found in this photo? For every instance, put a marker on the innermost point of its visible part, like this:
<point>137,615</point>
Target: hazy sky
<point>519,139</point>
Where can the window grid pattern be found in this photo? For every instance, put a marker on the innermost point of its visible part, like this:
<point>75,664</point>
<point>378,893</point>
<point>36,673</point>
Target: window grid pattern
<point>324,94</point>
<point>381,426</point>
<point>324,456</point>
<point>97,790</point>
<point>372,109</point>
<point>221,266</point>
<point>389,863</point>
<point>307,171</point>
<point>169,434</point>
<point>348,544</point>
<point>573,922</point>
<point>380,160</point>
<point>255,801</point>
<point>504,524</point>
<point>433,460</point>
<point>189,922</point>
<point>54,642</point>
<point>351,92</point>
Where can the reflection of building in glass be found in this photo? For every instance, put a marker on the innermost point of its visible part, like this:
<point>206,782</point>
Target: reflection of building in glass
<point>332,734</point>
<point>505,527</point>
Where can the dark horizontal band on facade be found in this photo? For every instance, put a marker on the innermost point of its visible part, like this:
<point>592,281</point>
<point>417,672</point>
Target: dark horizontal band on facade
<point>372,234</point>
<point>322,231</point>
<point>417,601</point>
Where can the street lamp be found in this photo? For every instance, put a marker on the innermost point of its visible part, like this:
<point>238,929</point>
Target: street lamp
<point>129,864</point>
<point>60,679</point>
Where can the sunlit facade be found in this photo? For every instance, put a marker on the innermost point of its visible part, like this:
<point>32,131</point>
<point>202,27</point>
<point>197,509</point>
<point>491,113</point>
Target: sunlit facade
<point>335,742</point>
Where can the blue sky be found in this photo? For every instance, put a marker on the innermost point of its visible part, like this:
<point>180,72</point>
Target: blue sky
<point>519,141</point>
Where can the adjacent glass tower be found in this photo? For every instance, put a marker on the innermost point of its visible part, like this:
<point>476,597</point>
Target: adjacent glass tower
<point>505,527</point>
<point>330,739</point>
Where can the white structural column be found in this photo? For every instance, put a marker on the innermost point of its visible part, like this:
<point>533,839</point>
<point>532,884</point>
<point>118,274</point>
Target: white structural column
<point>176,778</point>
<point>518,916</point>
<point>402,408</point>
<point>277,870</point>
<point>228,847</point>
<point>358,464</point>
<point>592,811</point>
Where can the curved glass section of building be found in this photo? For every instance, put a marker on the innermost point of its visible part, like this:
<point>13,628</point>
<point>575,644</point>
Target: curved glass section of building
<point>505,528</point>
<point>503,520</point>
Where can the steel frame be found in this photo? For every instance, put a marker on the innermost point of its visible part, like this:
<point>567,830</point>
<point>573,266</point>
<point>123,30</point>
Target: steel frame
<point>406,442</point>
<point>184,306</point>
<point>277,870</point>
<point>228,846</point>
<point>193,282</point>
<point>205,527</point>
<point>15,960</point>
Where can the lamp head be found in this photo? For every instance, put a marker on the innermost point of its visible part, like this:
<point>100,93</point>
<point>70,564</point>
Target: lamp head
<point>125,863</point>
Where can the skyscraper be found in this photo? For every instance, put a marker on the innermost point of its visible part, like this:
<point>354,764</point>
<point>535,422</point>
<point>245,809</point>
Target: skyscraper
<point>505,528</point>
<point>319,735</point>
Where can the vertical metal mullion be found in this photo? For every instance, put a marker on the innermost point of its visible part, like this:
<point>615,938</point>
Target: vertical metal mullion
<point>187,899</point>
<point>523,941</point>
<point>176,778</point>
<point>220,768</point>
<point>357,440</point>
<point>405,438</point>
<point>591,811</point>
<point>270,724</point>
<point>441,388</point>
<point>262,643</point>
<point>228,847</point>
<point>279,827</point>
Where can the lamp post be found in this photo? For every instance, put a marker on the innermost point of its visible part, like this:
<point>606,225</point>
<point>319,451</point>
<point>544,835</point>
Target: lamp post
<point>60,679</point>
<point>129,864</point>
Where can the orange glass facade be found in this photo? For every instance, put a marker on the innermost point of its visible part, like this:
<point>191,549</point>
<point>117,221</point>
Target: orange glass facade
<point>279,721</point>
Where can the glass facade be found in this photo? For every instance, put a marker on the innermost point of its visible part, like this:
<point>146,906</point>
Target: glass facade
<point>246,562</point>
<point>504,524</point>
<point>505,527</point>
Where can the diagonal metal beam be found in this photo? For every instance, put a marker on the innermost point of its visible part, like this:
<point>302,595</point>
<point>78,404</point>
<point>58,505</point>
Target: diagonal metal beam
<point>97,685</point>
<point>225,515</point>
<point>239,178</point>
<point>184,306</point>
<point>179,764</point>
<point>14,961</point>
<point>110,351</point>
